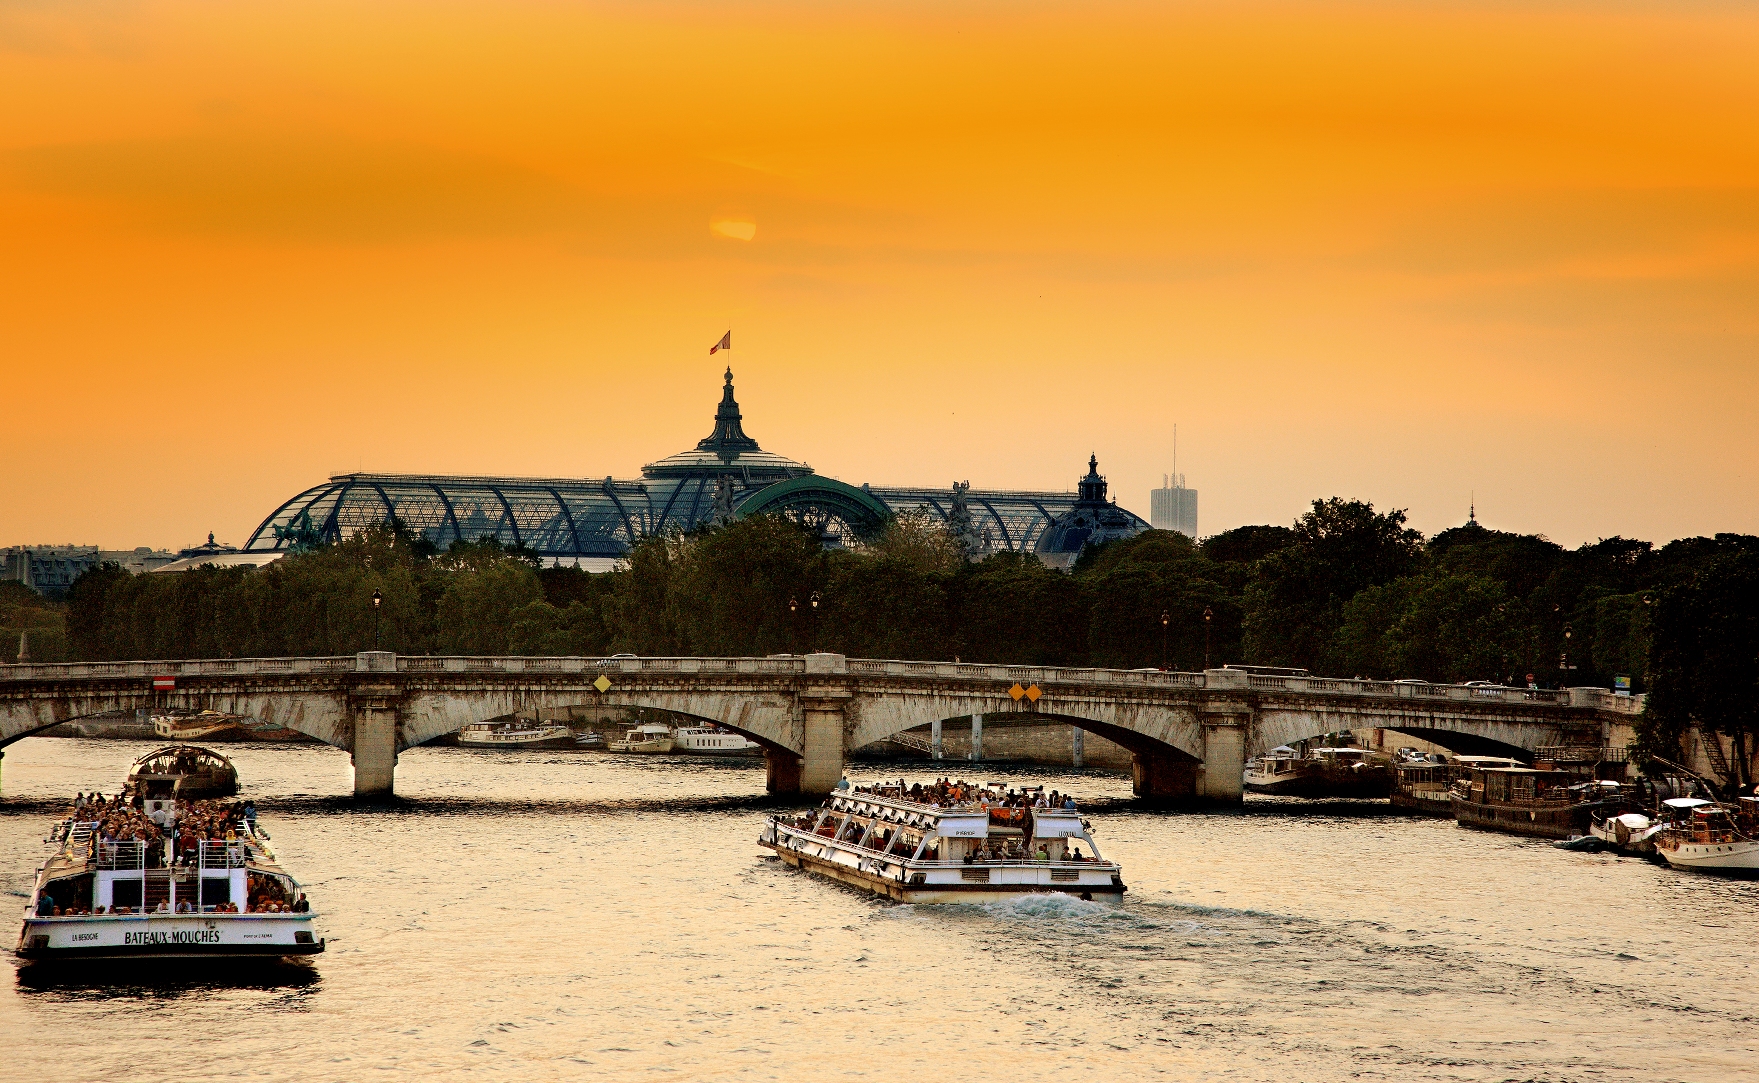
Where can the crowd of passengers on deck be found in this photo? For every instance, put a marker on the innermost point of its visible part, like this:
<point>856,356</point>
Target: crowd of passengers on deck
<point>187,824</point>
<point>947,793</point>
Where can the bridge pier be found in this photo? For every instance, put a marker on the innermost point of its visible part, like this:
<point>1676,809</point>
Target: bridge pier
<point>1224,758</point>
<point>374,754</point>
<point>373,745</point>
<point>819,766</point>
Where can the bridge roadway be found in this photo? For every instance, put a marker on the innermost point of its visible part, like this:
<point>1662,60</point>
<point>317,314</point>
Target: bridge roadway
<point>1189,733</point>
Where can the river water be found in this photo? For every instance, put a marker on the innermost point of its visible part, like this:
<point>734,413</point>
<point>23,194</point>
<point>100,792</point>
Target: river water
<point>536,916</point>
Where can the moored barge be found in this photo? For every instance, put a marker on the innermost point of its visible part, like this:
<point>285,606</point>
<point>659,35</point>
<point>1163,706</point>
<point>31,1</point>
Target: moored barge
<point>1525,801</point>
<point>974,846</point>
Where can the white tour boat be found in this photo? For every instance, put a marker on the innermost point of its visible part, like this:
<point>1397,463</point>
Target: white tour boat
<point>880,839</point>
<point>1711,837</point>
<point>104,894</point>
<point>516,735</point>
<point>712,741</point>
<point>652,739</point>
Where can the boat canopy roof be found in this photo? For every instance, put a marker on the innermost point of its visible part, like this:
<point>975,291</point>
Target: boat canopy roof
<point>175,761</point>
<point>1057,823</point>
<point>1686,802</point>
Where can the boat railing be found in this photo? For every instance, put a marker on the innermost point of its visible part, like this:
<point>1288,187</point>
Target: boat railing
<point>122,854</point>
<point>1014,863</point>
<point>221,854</point>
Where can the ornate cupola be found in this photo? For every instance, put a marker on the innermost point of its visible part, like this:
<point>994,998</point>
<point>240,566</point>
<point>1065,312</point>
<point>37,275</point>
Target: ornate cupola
<point>1092,487</point>
<point>729,438</point>
<point>728,451</point>
<point>1092,521</point>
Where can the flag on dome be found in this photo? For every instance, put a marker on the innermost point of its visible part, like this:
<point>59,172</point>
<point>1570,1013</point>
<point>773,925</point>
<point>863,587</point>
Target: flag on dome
<point>726,343</point>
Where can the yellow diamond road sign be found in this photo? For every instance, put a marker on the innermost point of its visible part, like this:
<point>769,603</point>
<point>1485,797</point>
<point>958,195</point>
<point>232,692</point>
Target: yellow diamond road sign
<point>1033,693</point>
<point>603,684</point>
<point>1016,691</point>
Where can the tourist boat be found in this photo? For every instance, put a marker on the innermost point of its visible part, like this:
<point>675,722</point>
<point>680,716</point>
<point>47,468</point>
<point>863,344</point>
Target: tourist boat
<point>1343,771</point>
<point>518,734</point>
<point>1526,801</point>
<point>1712,837</point>
<point>179,773</point>
<point>1424,784</point>
<point>652,739</point>
<point>712,741</point>
<point>589,739</point>
<point>195,727</point>
<point>219,898</point>
<point>877,839</point>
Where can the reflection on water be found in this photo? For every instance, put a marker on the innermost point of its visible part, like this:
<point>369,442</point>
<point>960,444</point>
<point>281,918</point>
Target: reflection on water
<point>556,915</point>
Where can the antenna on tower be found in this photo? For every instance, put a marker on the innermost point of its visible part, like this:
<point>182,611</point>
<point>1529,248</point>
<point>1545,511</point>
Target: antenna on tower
<point>1472,512</point>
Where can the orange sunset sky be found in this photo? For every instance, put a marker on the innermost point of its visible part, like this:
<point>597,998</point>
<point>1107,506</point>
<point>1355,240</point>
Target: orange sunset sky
<point>1401,252</point>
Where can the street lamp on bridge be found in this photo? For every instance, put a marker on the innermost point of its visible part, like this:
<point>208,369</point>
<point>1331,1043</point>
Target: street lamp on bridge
<point>377,598</point>
<point>1165,619</point>
<point>1208,615</point>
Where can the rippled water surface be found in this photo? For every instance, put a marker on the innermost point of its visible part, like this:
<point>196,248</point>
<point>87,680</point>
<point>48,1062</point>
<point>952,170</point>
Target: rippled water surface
<point>539,916</point>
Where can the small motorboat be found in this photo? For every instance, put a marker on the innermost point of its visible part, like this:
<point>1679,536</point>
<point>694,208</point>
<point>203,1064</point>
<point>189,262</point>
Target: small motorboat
<point>589,739</point>
<point>1712,837</point>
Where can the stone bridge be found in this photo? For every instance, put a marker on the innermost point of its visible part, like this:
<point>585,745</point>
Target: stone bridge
<point>1189,733</point>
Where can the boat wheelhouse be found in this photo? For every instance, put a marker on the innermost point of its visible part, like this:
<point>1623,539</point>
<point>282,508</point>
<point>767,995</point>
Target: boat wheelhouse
<point>1529,801</point>
<point>712,741</point>
<point>1424,784</point>
<point>518,734</point>
<point>652,739</point>
<point>879,839</point>
<point>208,885</point>
<point>175,773</point>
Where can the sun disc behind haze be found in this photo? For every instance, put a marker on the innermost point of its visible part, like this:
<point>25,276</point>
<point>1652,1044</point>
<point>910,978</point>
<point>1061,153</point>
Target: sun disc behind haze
<point>738,229</point>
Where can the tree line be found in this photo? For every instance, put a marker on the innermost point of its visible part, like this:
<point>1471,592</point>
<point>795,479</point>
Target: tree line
<point>1344,591</point>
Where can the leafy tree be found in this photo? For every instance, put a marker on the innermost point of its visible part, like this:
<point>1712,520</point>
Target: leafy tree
<point>1297,595</point>
<point>1704,658</point>
<point>1012,608</point>
<point>1442,628</point>
<point>1132,582</point>
<point>1247,544</point>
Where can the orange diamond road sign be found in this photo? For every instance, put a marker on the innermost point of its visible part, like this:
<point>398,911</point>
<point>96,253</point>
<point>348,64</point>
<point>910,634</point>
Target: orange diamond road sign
<point>603,684</point>
<point>1033,693</point>
<point>1016,691</point>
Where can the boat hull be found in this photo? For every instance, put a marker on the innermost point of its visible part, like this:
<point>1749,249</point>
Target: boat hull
<point>169,936</point>
<point>1424,804</point>
<point>643,748</point>
<point>940,893</point>
<point>1739,858</point>
<point>1364,784</point>
<point>519,746</point>
<point>1542,822</point>
<point>731,753</point>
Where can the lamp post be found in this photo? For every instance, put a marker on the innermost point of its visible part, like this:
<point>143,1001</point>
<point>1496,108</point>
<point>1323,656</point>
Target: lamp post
<point>1208,615</point>
<point>812,616</point>
<point>1563,661</point>
<point>1165,619</point>
<point>794,623</point>
<point>377,599</point>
